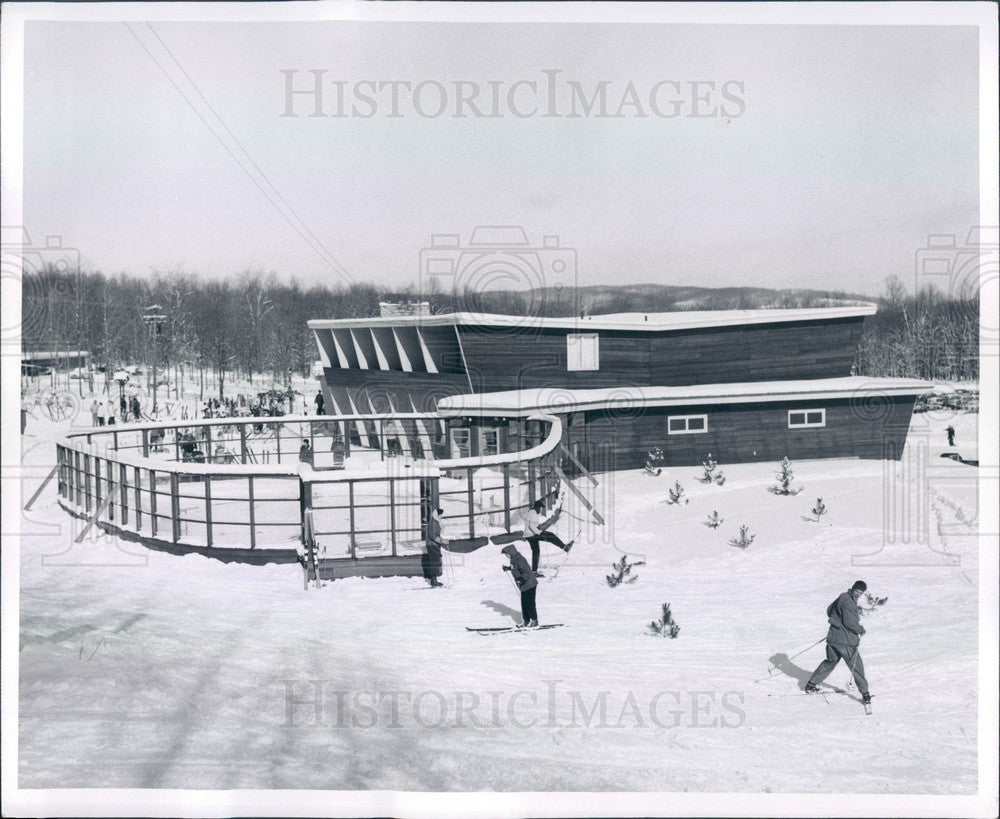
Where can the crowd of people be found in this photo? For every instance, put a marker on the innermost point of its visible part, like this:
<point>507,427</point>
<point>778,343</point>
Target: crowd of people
<point>105,411</point>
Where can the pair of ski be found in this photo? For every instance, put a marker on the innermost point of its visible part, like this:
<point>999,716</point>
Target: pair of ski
<point>867,705</point>
<point>508,629</point>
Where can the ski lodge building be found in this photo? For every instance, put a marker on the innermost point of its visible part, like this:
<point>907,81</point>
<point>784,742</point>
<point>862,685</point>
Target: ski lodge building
<point>743,385</point>
<point>491,414</point>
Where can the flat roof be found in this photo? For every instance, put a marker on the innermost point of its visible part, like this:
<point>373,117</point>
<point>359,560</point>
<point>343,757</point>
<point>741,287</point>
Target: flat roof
<point>44,356</point>
<point>636,322</point>
<point>518,403</point>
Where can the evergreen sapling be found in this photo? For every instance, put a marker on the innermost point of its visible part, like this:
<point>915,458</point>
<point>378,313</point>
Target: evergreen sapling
<point>665,626</point>
<point>676,492</point>
<point>709,468</point>
<point>654,459</point>
<point>819,509</point>
<point>744,539</point>
<point>714,520</point>
<point>711,473</point>
<point>785,478</point>
<point>873,603</point>
<point>621,573</point>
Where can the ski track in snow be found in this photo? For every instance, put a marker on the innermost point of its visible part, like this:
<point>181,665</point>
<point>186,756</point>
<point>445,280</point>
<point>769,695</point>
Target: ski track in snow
<point>142,669</point>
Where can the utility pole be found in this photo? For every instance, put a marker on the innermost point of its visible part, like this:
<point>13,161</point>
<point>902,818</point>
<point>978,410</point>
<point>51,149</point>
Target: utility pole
<point>79,327</point>
<point>154,320</point>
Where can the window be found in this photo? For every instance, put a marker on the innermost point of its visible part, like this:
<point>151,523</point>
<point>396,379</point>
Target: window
<point>489,441</point>
<point>582,351</point>
<point>806,418</point>
<point>687,424</point>
<point>460,443</point>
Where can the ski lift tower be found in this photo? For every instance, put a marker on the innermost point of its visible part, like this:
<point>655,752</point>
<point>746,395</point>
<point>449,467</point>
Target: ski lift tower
<point>155,319</point>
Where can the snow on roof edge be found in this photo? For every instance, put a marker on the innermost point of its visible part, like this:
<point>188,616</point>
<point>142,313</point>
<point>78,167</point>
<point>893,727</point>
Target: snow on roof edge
<point>645,322</point>
<point>564,399</point>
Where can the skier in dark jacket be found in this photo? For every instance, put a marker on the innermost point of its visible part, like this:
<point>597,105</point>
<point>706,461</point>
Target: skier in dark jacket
<point>951,435</point>
<point>843,640</point>
<point>431,562</point>
<point>526,584</point>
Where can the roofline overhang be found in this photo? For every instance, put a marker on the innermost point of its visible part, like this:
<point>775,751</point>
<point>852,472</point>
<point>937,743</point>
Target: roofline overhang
<point>623,322</point>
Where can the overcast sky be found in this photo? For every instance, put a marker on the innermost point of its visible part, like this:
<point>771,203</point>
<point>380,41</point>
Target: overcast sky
<point>851,145</point>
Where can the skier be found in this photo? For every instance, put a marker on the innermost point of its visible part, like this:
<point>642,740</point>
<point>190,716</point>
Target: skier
<point>526,583</point>
<point>320,401</point>
<point>95,414</point>
<point>535,532</point>
<point>431,560</point>
<point>306,453</point>
<point>843,640</point>
<point>951,435</point>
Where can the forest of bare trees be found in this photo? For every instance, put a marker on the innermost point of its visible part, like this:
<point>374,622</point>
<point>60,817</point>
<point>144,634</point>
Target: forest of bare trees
<point>253,325</point>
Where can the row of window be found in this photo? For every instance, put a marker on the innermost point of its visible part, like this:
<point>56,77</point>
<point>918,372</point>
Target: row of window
<point>691,424</point>
<point>489,437</point>
<point>461,441</point>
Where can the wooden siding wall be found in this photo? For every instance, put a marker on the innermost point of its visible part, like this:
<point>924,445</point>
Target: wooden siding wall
<point>739,433</point>
<point>512,358</point>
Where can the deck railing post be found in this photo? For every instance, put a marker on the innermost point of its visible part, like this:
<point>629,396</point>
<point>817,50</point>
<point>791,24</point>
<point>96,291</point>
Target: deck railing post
<point>145,443</point>
<point>88,494</point>
<point>153,522</point>
<point>243,443</point>
<point>253,516</point>
<point>175,507</point>
<point>392,515</point>
<point>532,496</point>
<point>208,509</point>
<point>506,496</point>
<point>350,503</point>
<point>305,506</point>
<point>277,438</point>
<point>111,489</point>
<point>138,498</point>
<point>472,512</point>
<point>123,480</point>
<point>79,479</point>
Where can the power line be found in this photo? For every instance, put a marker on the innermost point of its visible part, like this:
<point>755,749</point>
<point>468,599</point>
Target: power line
<point>256,175</point>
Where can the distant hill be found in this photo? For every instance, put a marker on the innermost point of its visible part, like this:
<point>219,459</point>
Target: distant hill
<point>626,298</point>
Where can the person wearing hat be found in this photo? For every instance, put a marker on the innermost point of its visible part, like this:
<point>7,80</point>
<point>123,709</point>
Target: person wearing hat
<point>526,583</point>
<point>843,640</point>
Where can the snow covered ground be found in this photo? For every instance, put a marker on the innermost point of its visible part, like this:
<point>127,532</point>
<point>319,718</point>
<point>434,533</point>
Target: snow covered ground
<point>142,669</point>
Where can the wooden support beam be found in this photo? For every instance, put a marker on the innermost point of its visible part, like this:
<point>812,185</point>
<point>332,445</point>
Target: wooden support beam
<point>577,464</point>
<point>579,495</point>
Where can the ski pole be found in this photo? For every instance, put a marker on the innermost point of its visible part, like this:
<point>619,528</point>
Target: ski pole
<point>775,668</point>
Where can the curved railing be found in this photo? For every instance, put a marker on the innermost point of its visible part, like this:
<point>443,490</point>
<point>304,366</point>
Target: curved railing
<point>250,488</point>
